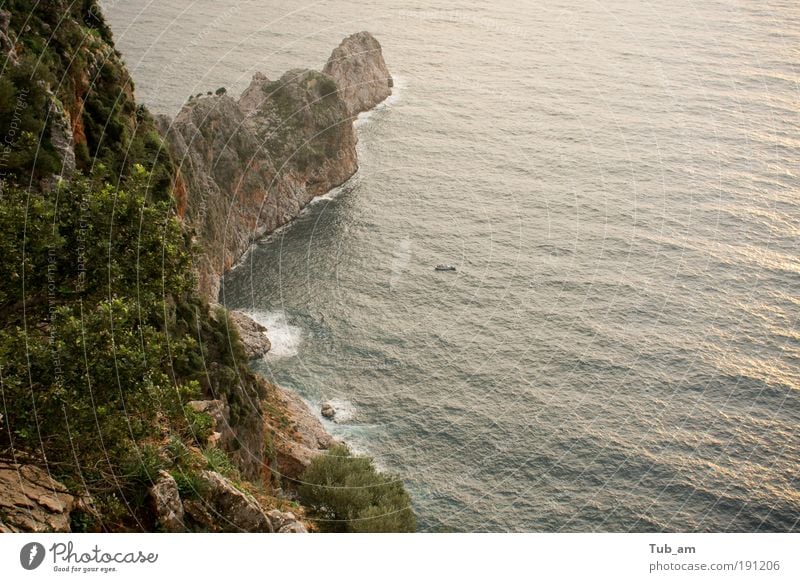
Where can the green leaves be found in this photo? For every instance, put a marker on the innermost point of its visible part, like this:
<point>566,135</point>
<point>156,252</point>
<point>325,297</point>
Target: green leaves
<point>348,494</point>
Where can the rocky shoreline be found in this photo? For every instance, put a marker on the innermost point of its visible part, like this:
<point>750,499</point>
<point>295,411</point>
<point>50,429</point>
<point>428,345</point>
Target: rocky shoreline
<point>362,81</point>
<point>247,166</point>
<point>234,186</point>
<point>243,168</point>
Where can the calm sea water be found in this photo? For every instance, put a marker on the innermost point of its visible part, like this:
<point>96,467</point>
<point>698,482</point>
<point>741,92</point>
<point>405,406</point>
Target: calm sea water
<point>618,185</point>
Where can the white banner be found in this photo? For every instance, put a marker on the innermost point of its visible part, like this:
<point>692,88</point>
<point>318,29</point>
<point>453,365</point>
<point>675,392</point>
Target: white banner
<point>232,557</point>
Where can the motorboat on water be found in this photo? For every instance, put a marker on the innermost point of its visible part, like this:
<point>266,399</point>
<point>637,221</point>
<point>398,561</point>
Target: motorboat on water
<point>444,268</point>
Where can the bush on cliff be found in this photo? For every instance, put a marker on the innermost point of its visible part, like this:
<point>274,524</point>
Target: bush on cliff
<point>347,494</point>
<point>102,342</point>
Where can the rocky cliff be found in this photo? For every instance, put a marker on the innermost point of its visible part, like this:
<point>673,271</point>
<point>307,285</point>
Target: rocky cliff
<point>358,68</point>
<point>203,444</point>
<point>250,165</point>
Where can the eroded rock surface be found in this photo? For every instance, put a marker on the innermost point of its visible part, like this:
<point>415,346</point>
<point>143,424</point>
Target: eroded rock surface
<point>166,503</point>
<point>224,508</point>
<point>248,166</point>
<point>359,70</point>
<point>297,445</point>
<point>253,334</point>
<point>32,501</point>
<point>286,522</point>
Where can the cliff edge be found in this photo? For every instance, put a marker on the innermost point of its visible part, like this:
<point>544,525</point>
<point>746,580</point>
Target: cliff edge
<point>249,165</point>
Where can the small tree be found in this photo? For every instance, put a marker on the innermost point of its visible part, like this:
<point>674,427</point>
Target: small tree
<point>348,494</point>
<point>221,91</point>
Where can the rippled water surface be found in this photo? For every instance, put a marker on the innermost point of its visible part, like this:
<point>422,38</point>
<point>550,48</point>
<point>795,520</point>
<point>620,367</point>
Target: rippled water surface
<point>618,185</point>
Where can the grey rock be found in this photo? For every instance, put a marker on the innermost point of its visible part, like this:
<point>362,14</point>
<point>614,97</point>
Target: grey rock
<point>166,503</point>
<point>224,508</point>
<point>7,48</point>
<point>328,411</point>
<point>285,522</point>
<point>253,334</point>
<point>61,136</point>
<point>359,70</point>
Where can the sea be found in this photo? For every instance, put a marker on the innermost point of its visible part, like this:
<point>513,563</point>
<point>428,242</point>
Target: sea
<point>617,184</point>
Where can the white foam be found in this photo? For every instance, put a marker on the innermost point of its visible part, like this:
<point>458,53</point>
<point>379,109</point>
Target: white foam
<point>345,410</point>
<point>284,337</point>
<point>364,116</point>
<point>329,195</point>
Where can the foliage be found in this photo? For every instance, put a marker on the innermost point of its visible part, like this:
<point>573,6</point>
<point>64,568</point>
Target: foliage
<point>217,460</point>
<point>176,450</point>
<point>200,425</point>
<point>103,339</point>
<point>347,493</point>
<point>66,63</point>
<point>142,465</point>
<point>190,484</point>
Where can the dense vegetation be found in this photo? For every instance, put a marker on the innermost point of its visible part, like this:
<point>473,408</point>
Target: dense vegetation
<point>103,338</point>
<point>347,494</point>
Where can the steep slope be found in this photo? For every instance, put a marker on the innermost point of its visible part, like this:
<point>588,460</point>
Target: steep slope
<point>360,72</point>
<point>250,166</point>
<point>103,338</point>
<point>127,401</point>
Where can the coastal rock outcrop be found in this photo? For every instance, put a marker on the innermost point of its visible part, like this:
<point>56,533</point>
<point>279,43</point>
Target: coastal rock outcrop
<point>327,410</point>
<point>32,501</point>
<point>303,439</point>
<point>250,165</point>
<point>253,334</point>
<point>360,72</point>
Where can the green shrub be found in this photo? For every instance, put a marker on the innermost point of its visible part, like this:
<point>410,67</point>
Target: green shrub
<point>218,460</point>
<point>346,493</point>
<point>142,465</point>
<point>176,449</point>
<point>200,424</point>
<point>190,484</point>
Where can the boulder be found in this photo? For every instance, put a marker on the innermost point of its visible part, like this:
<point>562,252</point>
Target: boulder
<point>285,522</point>
<point>328,411</point>
<point>360,72</point>
<point>224,508</point>
<point>32,501</point>
<point>253,334</point>
<point>166,503</point>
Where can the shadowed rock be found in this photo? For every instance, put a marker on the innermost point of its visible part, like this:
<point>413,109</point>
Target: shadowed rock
<point>224,508</point>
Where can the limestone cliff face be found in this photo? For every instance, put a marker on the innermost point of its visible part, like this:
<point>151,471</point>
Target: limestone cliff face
<point>358,68</point>
<point>250,165</point>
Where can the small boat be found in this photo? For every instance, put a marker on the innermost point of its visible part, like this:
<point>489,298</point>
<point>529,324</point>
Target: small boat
<point>444,268</point>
